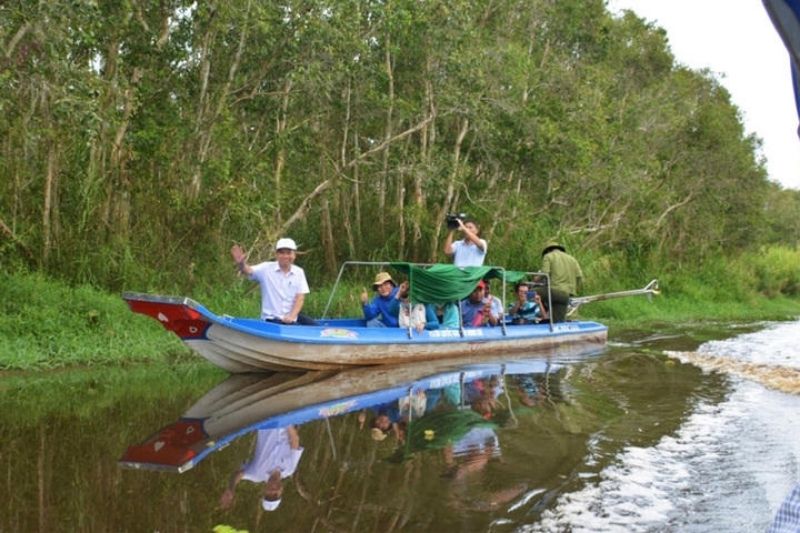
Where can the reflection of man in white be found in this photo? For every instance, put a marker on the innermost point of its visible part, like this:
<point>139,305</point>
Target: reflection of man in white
<point>276,457</point>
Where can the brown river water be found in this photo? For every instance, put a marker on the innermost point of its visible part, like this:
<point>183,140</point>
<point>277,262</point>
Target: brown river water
<point>687,428</point>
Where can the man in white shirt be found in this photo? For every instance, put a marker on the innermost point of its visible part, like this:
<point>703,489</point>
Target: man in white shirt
<point>469,251</point>
<point>283,284</point>
<point>276,456</point>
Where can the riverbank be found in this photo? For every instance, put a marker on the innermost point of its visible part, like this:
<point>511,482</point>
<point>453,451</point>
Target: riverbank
<point>46,324</point>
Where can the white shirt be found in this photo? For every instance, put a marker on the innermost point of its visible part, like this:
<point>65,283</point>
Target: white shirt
<point>468,254</point>
<point>273,452</point>
<point>477,440</point>
<point>278,288</point>
<point>496,306</point>
<point>411,315</point>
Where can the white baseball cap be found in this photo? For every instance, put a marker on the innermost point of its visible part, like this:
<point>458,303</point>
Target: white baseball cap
<point>270,505</point>
<point>285,244</point>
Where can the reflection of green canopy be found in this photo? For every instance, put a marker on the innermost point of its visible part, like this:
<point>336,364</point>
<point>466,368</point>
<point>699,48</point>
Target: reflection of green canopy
<point>438,429</point>
<point>446,283</point>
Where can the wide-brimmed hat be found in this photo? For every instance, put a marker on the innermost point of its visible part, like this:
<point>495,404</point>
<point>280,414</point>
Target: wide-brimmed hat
<point>285,244</point>
<point>553,245</point>
<point>381,278</point>
<point>377,434</point>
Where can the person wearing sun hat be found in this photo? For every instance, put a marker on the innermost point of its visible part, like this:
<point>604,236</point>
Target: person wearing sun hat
<point>275,458</point>
<point>283,284</point>
<point>378,312</point>
<point>565,277</point>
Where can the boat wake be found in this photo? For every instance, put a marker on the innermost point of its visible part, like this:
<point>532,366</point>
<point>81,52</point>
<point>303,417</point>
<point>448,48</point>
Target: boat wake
<point>702,474</point>
<point>769,356</point>
<point>776,377</point>
<point>730,464</point>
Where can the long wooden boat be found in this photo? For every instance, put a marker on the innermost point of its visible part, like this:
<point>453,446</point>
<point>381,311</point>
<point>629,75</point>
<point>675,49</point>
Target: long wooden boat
<point>245,403</point>
<point>241,345</point>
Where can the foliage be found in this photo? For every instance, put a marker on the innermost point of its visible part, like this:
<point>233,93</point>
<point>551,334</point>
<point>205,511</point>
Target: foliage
<point>140,140</point>
<point>776,271</point>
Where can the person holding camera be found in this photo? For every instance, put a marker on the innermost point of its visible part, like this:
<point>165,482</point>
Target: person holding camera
<point>527,307</point>
<point>469,251</point>
<point>476,312</point>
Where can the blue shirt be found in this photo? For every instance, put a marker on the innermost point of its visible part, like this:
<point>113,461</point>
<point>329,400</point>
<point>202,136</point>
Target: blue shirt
<point>527,311</point>
<point>450,316</point>
<point>472,313</point>
<point>382,306</point>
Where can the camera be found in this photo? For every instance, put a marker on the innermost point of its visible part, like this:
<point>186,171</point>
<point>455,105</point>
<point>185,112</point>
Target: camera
<point>453,218</point>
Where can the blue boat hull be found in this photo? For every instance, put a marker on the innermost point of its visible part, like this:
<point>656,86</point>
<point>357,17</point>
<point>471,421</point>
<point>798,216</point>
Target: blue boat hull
<point>250,345</point>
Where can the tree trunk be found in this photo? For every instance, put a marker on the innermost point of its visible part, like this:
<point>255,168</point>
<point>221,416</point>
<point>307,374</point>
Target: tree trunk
<point>121,190</point>
<point>450,195</point>
<point>512,219</point>
<point>357,188</point>
<point>12,44</point>
<point>327,235</point>
<point>344,202</point>
<point>384,180</point>
<point>401,221</point>
<point>426,139</point>
<point>280,158</point>
<point>47,208</point>
<point>205,125</point>
<point>107,109</point>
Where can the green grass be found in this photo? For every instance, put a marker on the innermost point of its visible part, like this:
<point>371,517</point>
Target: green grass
<point>691,302</point>
<point>48,324</point>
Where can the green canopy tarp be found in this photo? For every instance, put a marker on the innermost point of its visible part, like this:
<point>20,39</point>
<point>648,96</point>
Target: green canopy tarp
<point>442,283</point>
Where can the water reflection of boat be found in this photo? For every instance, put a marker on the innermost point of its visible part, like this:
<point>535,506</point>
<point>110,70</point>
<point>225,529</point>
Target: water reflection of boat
<point>247,402</point>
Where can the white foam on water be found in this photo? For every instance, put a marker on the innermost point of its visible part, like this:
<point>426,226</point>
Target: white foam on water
<point>727,468</point>
<point>777,344</point>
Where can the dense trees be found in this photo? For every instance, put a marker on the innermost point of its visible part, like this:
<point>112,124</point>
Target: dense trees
<point>139,139</point>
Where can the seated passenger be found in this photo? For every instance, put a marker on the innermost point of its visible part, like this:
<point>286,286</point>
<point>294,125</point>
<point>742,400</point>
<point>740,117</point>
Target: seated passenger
<point>495,305</point>
<point>474,311</point>
<point>526,308</point>
<point>376,311</point>
<point>395,416</point>
<point>417,316</point>
<point>450,318</point>
<point>387,419</point>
